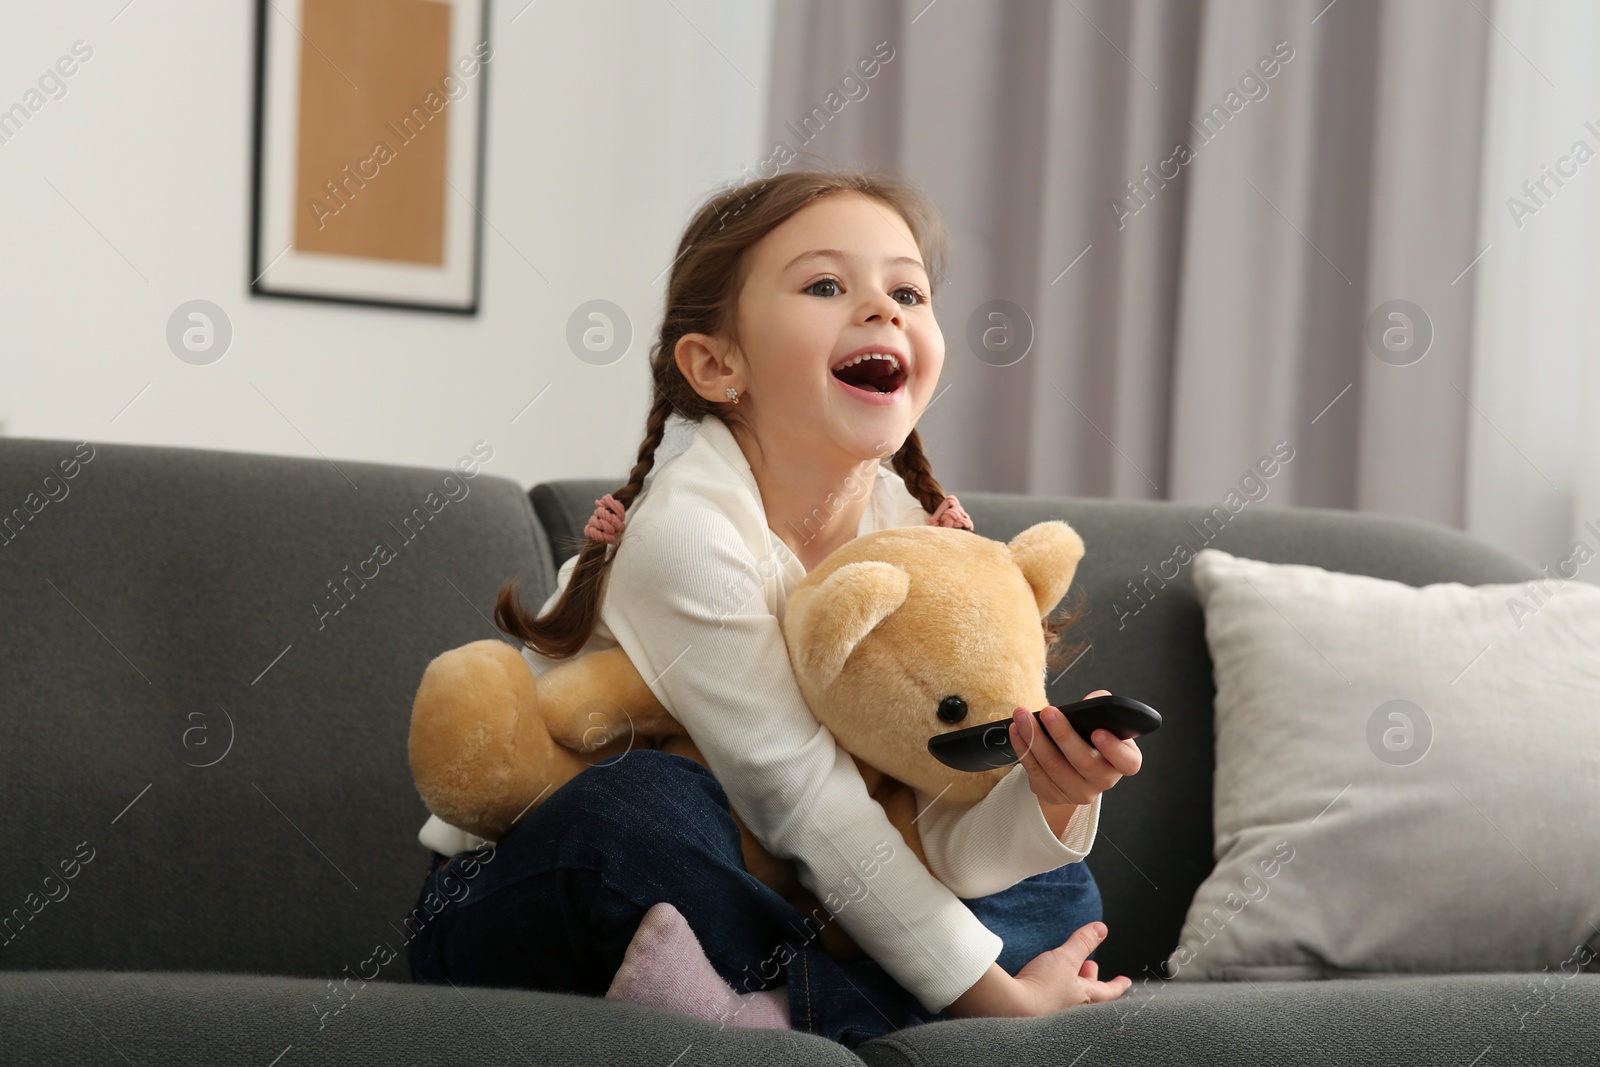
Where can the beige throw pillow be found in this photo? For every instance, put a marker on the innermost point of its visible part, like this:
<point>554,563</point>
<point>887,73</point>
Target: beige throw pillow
<point>1407,780</point>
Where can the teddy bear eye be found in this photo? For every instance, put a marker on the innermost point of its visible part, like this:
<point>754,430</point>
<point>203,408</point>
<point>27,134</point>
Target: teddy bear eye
<point>952,709</point>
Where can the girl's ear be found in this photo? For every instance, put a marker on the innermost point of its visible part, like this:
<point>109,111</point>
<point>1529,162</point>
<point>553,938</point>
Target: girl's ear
<point>705,365</point>
<point>826,622</point>
<point>1048,555</point>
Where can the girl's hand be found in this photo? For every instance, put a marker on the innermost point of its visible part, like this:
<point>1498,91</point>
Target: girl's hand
<point>1062,977</point>
<point>1058,978</point>
<point>1070,771</point>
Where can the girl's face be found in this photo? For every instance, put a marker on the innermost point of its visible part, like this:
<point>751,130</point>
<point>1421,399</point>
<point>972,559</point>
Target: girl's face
<point>840,278</point>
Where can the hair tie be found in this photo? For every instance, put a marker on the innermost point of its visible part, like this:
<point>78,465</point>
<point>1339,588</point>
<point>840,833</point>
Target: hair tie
<point>951,513</point>
<point>605,525</point>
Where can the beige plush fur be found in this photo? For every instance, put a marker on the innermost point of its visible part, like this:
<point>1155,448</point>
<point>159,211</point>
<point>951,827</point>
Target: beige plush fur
<point>878,634</point>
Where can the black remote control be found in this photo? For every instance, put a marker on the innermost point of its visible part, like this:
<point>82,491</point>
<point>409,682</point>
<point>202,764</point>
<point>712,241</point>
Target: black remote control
<point>988,745</point>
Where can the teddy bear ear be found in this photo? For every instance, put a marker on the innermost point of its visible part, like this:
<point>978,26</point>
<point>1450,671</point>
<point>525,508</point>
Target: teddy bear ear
<point>826,624</point>
<point>1048,555</point>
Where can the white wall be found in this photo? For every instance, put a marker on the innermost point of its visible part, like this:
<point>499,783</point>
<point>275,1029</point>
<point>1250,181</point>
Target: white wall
<point>607,123</point>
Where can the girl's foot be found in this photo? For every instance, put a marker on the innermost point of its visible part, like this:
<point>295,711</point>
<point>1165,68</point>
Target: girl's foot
<point>666,968</point>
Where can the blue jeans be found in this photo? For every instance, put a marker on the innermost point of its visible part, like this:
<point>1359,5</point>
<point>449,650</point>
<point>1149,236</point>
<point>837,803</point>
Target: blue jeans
<point>554,903</point>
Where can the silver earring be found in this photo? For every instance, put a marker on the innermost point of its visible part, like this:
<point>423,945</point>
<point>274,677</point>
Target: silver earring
<point>731,393</point>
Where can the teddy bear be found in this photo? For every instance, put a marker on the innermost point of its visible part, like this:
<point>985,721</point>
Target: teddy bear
<point>897,635</point>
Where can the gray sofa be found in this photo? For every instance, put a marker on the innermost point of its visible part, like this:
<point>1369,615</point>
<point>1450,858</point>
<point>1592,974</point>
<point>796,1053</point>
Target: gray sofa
<point>219,759</point>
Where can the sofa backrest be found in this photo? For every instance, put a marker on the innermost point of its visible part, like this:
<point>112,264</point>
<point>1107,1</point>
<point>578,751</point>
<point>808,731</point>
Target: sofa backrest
<point>185,701</point>
<point>1154,843</point>
<point>174,608</point>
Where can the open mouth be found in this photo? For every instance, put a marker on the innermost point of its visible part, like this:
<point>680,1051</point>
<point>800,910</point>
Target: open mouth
<point>873,372</point>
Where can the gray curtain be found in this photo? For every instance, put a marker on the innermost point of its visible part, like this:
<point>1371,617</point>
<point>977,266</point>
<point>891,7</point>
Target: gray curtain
<point>1188,311</point>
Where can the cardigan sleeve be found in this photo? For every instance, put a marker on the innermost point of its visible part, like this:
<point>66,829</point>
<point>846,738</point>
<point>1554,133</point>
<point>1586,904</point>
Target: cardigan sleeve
<point>684,600</point>
<point>982,848</point>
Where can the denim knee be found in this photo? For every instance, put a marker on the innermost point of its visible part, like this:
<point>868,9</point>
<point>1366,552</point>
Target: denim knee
<point>644,797</point>
<point>1039,913</point>
<point>639,775</point>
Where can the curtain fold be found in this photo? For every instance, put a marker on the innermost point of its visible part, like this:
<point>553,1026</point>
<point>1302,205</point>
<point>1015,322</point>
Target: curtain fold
<point>1219,226</point>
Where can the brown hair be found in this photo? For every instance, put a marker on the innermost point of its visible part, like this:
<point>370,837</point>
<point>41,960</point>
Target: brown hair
<point>702,296</point>
<point>1058,654</point>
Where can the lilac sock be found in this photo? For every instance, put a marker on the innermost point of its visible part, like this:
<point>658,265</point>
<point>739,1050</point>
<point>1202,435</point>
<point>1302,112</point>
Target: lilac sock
<point>666,968</point>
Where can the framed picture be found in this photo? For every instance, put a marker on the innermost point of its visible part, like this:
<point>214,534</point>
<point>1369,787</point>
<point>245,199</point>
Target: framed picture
<point>369,151</point>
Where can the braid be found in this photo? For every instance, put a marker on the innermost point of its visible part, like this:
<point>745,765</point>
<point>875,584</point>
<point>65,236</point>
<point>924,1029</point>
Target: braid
<point>911,463</point>
<point>912,466</point>
<point>655,428</point>
<point>558,634</point>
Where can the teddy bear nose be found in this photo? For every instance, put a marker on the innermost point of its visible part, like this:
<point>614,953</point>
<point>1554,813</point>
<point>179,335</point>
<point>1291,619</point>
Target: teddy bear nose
<point>952,709</point>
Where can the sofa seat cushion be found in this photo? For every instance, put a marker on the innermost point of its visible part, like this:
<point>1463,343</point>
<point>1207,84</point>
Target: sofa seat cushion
<point>1503,1019</point>
<point>202,1018</point>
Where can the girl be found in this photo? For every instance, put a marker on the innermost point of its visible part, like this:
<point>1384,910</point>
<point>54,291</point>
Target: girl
<point>798,349</point>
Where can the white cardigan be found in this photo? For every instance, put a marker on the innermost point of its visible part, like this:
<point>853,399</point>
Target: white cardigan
<point>695,595</point>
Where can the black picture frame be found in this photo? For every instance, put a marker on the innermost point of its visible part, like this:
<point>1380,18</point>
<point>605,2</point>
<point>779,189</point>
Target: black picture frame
<point>260,267</point>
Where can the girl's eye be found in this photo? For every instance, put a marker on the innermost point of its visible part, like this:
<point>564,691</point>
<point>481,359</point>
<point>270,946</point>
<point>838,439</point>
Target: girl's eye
<point>916,294</point>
